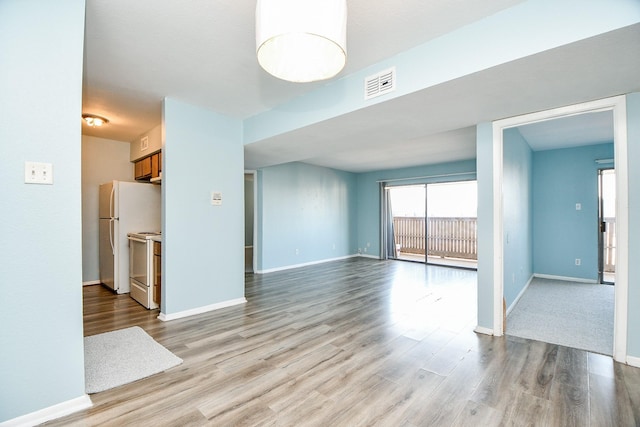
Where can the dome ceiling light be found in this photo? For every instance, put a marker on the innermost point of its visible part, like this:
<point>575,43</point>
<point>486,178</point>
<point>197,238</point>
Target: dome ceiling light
<point>93,120</point>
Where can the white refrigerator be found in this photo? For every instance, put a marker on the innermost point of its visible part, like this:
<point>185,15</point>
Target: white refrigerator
<point>125,207</point>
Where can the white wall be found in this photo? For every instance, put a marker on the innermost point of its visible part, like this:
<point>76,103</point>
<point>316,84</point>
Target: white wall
<point>154,143</point>
<point>103,160</point>
<point>41,339</point>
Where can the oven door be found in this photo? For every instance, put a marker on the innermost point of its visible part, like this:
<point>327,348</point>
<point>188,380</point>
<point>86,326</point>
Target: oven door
<point>138,261</point>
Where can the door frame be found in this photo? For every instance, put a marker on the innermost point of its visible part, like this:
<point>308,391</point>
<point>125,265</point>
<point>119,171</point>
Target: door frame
<point>601,242</point>
<point>254,173</point>
<point>385,204</point>
<point>385,196</point>
<point>617,105</point>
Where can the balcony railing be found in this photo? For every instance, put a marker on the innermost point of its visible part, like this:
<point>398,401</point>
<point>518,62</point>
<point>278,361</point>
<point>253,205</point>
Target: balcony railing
<point>609,243</point>
<point>457,238</point>
<point>447,238</point>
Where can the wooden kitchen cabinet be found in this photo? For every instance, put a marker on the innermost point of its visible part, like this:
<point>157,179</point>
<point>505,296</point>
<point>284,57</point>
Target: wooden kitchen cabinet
<point>148,167</point>
<point>143,168</point>
<point>137,169</point>
<point>155,165</point>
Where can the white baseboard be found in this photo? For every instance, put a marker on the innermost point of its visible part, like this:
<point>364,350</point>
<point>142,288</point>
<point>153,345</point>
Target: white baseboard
<point>564,278</point>
<point>369,256</point>
<point>306,264</point>
<point>91,282</point>
<point>515,301</point>
<point>51,413</point>
<point>633,361</point>
<point>200,310</point>
<point>483,330</point>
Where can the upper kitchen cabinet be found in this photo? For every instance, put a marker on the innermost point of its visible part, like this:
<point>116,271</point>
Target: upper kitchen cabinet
<point>156,164</point>
<point>146,155</point>
<point>143,168</point>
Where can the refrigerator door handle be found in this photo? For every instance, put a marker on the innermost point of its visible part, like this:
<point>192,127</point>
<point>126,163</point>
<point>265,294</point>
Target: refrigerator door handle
<point>111,207</point>
<point>111,231</point>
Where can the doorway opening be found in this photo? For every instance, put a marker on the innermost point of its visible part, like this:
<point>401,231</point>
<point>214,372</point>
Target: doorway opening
<point>250,219</point>
<point>495,284</point>
<point>607,220</point>
<point>434,223</point>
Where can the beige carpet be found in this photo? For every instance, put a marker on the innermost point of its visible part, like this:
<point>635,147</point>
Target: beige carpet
<point>123,356</point>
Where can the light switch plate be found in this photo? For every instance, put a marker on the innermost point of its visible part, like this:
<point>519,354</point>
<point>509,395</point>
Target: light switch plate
<point>216,198</point>
<point>38,173</point>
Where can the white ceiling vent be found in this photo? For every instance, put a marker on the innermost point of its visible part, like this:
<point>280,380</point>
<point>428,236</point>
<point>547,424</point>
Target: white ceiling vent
<point>380,83</point>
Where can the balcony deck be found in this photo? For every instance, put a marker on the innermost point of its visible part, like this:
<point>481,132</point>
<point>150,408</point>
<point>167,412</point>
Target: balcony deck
<point>435,260</point>
<point>453,242</point>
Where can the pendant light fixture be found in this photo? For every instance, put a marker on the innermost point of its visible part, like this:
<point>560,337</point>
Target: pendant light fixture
<point>301,40</point>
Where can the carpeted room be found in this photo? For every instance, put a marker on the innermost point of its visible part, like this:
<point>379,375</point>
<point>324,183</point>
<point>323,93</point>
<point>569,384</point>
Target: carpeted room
<point>553,252</point>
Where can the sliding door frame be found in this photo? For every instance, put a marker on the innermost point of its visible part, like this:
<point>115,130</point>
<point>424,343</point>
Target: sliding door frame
<point>602,225</point>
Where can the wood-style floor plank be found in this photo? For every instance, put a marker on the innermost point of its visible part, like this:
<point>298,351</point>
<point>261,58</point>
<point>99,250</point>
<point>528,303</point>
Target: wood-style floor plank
<point>351,343</point>
<point>609,401</point>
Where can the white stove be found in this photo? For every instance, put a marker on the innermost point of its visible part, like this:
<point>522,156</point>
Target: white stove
<point>141,268</point>
<point>147,235</point>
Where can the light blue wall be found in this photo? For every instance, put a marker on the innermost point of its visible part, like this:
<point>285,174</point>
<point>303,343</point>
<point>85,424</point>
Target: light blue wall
<point>41,73</point>
<point>41,338</point>
<point>486,273</point>
<point>494,40</point>
<point>517,214</point>
<point>202,153</point>
<point>369,194</point>
<point>563,178</point>
<point>633,136</point>
<point>306,208</point>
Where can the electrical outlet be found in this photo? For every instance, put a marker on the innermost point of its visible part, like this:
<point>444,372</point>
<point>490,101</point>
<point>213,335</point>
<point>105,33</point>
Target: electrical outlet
<point>297,251</point>
<point>578,262</point>
<point>578,206</point>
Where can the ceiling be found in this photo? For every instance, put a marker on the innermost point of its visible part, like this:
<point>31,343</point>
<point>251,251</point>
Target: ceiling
<point>583,129</point>
<point>202,52</point>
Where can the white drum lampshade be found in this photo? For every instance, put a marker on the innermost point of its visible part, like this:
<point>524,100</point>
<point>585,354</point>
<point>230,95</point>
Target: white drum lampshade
<point>301,40</point>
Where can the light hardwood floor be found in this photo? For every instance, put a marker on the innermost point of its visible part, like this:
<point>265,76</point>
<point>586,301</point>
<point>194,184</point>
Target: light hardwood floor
<point>355,342</point>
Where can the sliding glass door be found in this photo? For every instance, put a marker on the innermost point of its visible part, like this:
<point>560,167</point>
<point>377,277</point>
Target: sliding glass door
<point>607,221</point>
<point>407,205</point>
<point>434,223</point>
<point>452,224</point>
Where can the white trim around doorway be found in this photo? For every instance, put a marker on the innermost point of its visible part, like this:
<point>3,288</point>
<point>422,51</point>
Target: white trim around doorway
<point>617,105</point>
<point>256,248</point>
